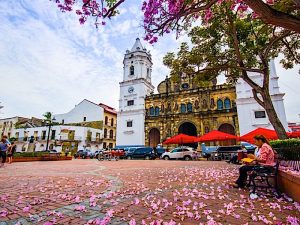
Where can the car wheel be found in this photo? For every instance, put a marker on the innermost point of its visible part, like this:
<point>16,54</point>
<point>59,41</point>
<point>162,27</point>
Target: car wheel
<point>187,158</point>
<point>83,157</point>
<point>129,157</point>
<point>147,157</point>
<point>166,157</point>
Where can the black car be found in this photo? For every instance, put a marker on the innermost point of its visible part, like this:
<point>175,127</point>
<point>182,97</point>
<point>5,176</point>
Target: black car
<point>81,153</point>
<point>140,153</point>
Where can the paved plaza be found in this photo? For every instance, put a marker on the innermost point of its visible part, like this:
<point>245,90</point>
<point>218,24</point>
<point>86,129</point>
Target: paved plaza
<point>133,192</point>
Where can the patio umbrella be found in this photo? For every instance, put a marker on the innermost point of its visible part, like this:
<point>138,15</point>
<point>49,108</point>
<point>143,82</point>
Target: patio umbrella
<point>181,139</point>
<point>295,134</point>
<point>216,135</point>
<point>268,133</point>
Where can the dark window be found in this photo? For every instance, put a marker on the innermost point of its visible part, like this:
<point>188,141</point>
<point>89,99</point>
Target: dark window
<point>212,103</point>
<point>227,103</point>
<point>206,129</point>
<point>106,120</point>
<point>112,122</point>
<point>131,70</point>
<point>130,102</point>
<point>152,111</point>
<point>84,118</point>
<point>204,103</point>
<point>189,107</point>
<point>104,145</point>
<point>156,111</point>
<point>182,108</point>
<point>111,134</point>
<point>129,123</point>
<point>110,145</point>
<point>53,134</point>
<point>219,104</point>
<point>260,114</point>
<point>62,121</point>
<point>43,135</point>
<point>105,133</point>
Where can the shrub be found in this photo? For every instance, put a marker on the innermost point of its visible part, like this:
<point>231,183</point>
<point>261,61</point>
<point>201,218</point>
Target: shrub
<point>29,154</point>
<point>288,149</point>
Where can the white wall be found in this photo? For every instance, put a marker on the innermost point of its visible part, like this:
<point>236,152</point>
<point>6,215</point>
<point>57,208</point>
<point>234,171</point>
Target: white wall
<point>87,109</point>
<point>134,135</point>
<point>246,104</point>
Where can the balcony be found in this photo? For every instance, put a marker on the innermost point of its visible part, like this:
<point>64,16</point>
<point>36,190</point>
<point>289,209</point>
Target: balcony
<point>110,138</point>
<point>94,140</point>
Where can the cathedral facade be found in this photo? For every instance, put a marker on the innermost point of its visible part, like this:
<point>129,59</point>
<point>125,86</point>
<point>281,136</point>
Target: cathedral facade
<point>185,107</point>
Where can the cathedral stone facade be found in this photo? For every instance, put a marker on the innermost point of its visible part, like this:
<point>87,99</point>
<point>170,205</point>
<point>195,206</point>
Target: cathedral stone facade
<point>185,107</point>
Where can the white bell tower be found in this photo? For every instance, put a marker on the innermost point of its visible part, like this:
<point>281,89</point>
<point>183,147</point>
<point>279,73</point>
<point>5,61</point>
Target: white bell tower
<point>135,86</point>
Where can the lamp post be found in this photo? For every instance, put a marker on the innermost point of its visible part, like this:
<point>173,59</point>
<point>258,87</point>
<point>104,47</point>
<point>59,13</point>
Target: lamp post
<point>50,123</point>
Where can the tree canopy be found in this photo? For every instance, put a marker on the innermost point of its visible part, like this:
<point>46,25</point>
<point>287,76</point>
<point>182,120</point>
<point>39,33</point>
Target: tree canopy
<point>237,46</point>
<point>162,16</point>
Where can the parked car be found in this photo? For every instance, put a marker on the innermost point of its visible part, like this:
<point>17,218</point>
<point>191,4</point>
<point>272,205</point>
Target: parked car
<point>186,153</point>
<point>96,153</point>
<point>140,153</point>
<point>84,154</point>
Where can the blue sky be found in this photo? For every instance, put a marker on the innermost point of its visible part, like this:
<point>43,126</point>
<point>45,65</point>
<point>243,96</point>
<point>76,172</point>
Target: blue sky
<point>49,62</point>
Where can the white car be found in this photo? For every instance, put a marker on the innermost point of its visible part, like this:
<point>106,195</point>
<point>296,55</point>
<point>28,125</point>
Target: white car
<point>186,153</point>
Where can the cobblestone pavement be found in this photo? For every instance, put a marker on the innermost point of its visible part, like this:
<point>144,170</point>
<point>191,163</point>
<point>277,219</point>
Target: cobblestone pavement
<point>133,192</point>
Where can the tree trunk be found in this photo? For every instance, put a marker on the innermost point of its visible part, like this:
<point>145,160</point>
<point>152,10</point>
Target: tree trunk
<point>272,115</point>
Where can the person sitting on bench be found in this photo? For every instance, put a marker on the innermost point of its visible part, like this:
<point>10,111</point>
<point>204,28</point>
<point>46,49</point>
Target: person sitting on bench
<point>266,158</point>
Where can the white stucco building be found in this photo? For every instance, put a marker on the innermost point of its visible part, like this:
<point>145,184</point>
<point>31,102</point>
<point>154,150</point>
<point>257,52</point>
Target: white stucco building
<point>87,125</point>
<point>85,111</point>
<point>135,86</point>
<point>250,114</point>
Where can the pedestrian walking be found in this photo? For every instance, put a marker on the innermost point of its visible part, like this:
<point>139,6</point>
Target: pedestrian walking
<point>10,152</point>
<point>4,145</point>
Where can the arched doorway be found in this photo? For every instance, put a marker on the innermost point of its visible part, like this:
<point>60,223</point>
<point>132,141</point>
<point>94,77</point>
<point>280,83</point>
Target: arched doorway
<point>229,129</point>
<point>154,137</point>
<point>188,128</point>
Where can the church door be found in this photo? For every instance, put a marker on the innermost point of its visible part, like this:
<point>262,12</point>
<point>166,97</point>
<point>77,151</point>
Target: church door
<point>154,137</point>
<point>229,129</point>
<point>188,129</point>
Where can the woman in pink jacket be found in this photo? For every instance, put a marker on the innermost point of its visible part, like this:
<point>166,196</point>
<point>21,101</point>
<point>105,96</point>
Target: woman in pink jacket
<point>266,158</point>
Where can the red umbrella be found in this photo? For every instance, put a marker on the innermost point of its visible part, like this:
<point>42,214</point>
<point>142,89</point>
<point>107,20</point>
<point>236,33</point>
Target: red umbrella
<point>295,134</point>
<point>181,139</point>
<point>269,134</point>
<point>216,135</point>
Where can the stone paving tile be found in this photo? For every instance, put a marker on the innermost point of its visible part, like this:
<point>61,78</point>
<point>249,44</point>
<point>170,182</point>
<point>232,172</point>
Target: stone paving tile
<point>134,192</point>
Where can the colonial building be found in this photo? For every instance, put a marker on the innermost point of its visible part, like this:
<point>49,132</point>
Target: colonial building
<point>186,107</point>
<point>87,125</point>
<point>135,86</point>
<point>252,115</point>
<point>109,127</point>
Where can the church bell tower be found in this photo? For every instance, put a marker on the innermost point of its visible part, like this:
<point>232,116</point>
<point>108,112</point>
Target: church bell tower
<point>136,85</point>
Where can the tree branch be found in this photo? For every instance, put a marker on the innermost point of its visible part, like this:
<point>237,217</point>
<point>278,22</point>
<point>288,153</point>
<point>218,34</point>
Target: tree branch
<point>273,16</point>
<point>257,99</point>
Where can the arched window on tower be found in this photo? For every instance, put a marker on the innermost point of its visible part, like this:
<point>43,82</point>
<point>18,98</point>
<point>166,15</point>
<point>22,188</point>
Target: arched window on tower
<point>156,111</point>
<point>111,134</point>
<point>227,103</point>
<point>106,120</point>
<point>220,104</point>
<point>183,108</point>
<point>189,107</point>
<point>131,70</point>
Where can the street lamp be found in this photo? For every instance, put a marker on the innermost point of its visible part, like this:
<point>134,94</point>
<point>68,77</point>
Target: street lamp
<point>49,123</point>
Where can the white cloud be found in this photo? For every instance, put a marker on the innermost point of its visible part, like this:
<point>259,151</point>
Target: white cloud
<point>49,62</point>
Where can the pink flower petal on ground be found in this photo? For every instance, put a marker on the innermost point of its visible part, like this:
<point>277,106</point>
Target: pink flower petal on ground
<point>292,220</point>
<point>132,222</point>
<point>26,209</point>
<point>3,213</point>
<point>80,208</point>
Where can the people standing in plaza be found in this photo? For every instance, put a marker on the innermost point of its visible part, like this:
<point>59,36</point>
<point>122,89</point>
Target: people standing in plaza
<point>4,145</point>
<point>266,158</point>
<point>10,152</point>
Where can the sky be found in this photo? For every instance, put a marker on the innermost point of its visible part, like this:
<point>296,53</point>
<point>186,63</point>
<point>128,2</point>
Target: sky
<point>49,62</point>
